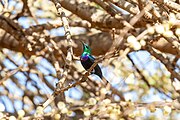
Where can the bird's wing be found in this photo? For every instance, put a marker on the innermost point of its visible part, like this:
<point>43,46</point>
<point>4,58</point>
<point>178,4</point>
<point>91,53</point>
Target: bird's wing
<point>91,58</point>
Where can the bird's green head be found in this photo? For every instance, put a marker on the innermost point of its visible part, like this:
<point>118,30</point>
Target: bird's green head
<point>86,48</point>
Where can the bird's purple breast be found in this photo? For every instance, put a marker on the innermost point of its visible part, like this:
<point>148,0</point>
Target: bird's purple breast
<point>84,57</point>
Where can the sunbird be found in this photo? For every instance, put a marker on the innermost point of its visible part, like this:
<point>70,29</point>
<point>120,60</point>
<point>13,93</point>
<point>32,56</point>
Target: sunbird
<point>87,60</point>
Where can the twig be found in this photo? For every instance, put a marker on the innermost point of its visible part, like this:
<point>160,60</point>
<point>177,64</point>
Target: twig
<point>68,61</point>
<point>132,22</point>
<point>165,61</point>
<point>144,78</point>
<point>126,6</point>
<point>9,74</point>
<point>106,7</point>
<point>169,4</point>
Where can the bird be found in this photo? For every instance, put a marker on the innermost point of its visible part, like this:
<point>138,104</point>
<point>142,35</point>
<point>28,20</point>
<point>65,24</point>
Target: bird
<point>87,60</point>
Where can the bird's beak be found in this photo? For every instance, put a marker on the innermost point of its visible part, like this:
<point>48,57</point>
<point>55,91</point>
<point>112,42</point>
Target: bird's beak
<point>82,42</point>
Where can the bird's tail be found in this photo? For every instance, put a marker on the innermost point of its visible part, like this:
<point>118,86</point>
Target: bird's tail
<point>108,86</point>
<point>106,83</point>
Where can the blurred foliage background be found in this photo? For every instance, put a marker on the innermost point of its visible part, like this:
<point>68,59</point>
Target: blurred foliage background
<point>141,35</point>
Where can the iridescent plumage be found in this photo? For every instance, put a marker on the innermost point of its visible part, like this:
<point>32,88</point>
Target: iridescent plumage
<point>87,60</point>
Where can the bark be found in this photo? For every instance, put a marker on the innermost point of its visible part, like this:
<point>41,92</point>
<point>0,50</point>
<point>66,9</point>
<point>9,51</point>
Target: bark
<point>99,43</point>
